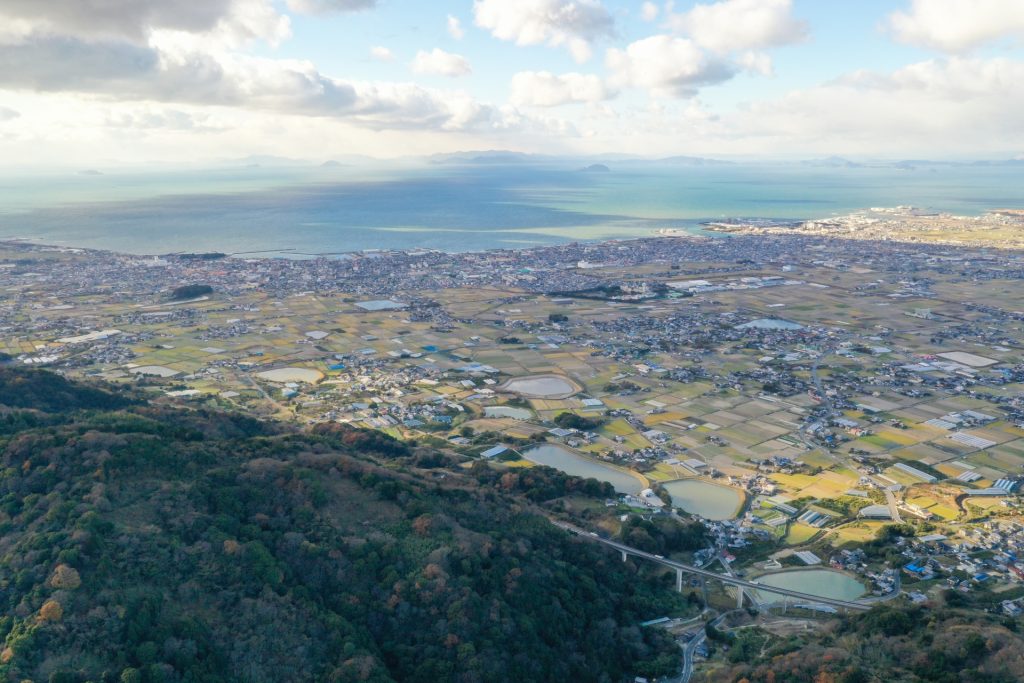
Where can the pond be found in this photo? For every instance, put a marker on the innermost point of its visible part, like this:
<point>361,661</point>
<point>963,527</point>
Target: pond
<point>703,498</point>
<point>154,371</point>
<point>579,466</point>
<point>541,386</point>
<point>283,375</point>
<point>826,583</point>
<point>508,411</point>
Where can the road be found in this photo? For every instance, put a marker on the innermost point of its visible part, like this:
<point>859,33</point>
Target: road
<point>729,580</point>
<point>690,649</point>
<point>749,595</point>
<point>816,378</point>
<point>890,499</point>
<point>263,392</point>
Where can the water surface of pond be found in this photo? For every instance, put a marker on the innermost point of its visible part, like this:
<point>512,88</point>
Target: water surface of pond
<point>579,466</point>
<point>703,498</point>
<point>282,375</point>
<point>825,583</point>
<point>541,387</point>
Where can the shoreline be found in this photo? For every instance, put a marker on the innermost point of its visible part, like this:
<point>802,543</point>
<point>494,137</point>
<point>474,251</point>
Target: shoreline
<point>288,253</point>
<point>1000,228</point>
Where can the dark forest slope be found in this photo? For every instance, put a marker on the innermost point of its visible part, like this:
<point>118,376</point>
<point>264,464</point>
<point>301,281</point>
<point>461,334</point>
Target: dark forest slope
<point>145,543</point>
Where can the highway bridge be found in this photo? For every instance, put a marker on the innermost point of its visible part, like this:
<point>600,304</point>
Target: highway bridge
<point>741,584</point>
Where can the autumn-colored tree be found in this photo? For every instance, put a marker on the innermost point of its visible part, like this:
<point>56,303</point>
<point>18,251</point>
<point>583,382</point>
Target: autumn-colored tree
<point>51,611</point>
<point>65,578</point>
<point>423,524</point>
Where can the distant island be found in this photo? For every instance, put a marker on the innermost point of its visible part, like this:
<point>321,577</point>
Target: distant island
<point>596,168</point>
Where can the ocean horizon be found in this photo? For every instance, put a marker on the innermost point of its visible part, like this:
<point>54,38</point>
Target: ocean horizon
<point>306,211</point>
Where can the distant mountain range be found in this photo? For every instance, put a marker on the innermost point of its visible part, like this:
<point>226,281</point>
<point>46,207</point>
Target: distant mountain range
<point>502,157</point>
<point>908,164</point>
<point>497,157</point>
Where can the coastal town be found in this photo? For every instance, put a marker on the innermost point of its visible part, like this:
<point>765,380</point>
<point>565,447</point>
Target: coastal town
<point>998,227</point>
<point>834,404</point>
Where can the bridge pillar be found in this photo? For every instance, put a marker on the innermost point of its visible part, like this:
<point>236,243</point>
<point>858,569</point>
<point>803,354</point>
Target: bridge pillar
<point>679,580</point>
<point>704,589</point>
<point>739,597</point>
<point>624,555</point>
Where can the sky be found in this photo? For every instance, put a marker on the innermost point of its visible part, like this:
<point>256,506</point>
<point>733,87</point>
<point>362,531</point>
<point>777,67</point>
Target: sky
<point>104,82</point>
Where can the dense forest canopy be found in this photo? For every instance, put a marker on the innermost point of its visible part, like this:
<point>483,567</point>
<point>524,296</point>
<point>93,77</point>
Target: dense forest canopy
<point>149,543</point>
<point>142,543</point>
<point>938,644</point>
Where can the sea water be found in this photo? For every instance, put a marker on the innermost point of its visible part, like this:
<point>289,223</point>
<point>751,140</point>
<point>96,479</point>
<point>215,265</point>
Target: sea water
<point>311,211</point>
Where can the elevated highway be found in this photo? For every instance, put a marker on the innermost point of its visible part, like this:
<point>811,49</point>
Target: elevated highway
<point>741,584</point>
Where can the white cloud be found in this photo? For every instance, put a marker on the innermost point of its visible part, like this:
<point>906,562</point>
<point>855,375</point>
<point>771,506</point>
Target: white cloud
<point>649,11</point>
<point>72,131</point>
<point>199,66</point>
<point>958,25</point>
<point>85,72</point>
<point>756,63</point>
<point>666,66</point>
<point>437,62</point>
<point>149,118</point>
<point>942,106</point>
<point>59,63</point>
<point>455,29</point>
<point>571,23</point>
<point>733,25</point>
<point>130,73</point>
<point>137,20</point>
<point>382,54</point>
<point>938,108</point>
<point>545,89</point>
<point>510,119</point>
<point>326,6</point>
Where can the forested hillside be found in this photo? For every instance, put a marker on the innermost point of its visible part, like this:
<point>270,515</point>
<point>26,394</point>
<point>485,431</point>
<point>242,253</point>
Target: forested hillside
<point>141,543</point>
<point>886,645</point>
